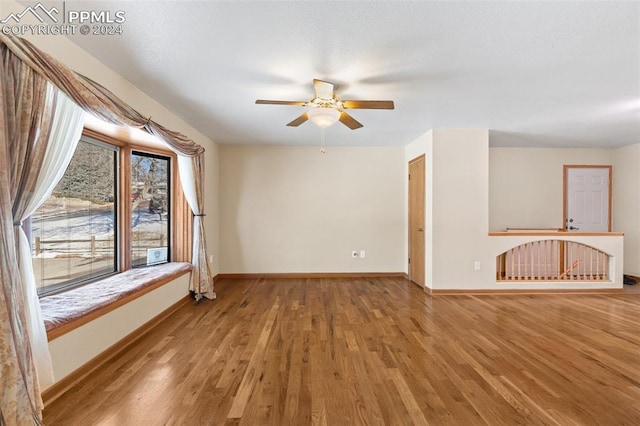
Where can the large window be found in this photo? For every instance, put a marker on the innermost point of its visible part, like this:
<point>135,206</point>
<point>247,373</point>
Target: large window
<point>111,211</point>
<point>74,232</point>
<point>150,184</point>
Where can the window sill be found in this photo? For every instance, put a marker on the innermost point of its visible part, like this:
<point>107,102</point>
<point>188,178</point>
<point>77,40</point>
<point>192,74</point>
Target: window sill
<point>67,311</point>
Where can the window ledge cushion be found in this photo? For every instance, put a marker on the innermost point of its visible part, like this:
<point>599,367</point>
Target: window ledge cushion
<point>66,311</point>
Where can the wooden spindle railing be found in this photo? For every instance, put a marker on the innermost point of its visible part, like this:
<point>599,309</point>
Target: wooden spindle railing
<point>552,260</point>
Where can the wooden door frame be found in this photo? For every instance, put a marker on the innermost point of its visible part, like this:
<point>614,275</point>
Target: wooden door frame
<point>421,157</point>
<point>565,169</point>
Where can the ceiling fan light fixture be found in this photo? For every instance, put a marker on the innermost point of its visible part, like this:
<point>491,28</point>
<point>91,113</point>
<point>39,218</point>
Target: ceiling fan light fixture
<point>323,117</point>
<point>324,109</point>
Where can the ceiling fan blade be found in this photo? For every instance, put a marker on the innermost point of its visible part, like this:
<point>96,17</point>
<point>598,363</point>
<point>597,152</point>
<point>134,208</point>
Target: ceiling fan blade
<point>368,104</point>
<point>324,89</point>
<point>349,121</point>
<point>298,121</point>
<point>296,103</point>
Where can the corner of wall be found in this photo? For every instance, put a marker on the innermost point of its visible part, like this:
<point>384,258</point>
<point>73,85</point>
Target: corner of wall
<point>212,204</point>
<point>626,203</point>
<point>460,212</point>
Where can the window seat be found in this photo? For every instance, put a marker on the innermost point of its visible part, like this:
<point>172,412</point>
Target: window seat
<point>66,311</point>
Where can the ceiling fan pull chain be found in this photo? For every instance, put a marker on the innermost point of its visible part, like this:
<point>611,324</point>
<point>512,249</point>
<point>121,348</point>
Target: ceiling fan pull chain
<point>322,150</point>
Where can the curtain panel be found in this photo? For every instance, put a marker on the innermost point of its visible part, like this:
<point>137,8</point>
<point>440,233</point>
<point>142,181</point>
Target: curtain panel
<point>25,125</point>
<point>191,171</point>
<point>67,121</point>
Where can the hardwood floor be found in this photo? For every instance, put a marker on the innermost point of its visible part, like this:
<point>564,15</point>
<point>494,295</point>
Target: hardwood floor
<point>372,351</point>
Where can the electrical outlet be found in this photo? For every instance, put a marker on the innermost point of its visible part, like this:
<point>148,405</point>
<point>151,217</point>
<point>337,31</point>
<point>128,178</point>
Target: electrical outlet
<point>476,266</point>
<point>354,253</point>
<point>363,254</point>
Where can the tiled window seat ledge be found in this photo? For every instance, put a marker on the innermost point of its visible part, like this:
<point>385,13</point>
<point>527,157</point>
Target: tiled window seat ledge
<point>66,311</point>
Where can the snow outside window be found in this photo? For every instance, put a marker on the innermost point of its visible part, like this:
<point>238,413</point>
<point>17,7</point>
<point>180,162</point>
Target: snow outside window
<point>150,202</point>
<point>73,234</point>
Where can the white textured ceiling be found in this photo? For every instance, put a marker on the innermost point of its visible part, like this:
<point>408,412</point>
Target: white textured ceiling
<point>535,73</point>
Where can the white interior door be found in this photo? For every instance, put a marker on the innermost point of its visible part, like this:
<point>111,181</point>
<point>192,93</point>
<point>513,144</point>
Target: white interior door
<point>587,199</point>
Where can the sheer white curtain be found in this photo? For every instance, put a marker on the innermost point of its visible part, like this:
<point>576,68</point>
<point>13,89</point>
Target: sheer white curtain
<point>66,129</point>
<point>191,171</point>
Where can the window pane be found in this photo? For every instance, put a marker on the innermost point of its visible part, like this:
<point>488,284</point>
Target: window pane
<point>73,232</point>
<point>150,201</point>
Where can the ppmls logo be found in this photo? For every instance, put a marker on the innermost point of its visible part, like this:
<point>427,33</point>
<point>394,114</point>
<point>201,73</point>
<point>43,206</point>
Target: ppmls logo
<point>38,11</point>
<point>52,22</point>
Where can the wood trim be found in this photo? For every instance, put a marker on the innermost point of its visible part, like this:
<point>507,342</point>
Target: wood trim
<point>182,221</point>
<point>304,275</point>
<point>124,211</point>
<point>60,387</point>
<point>536,229</point>
<point>564,197</point>
<point>564,188</point>
<point>563,234</point>
<point>112,140</point>
<point>173,212</point>
<point>159,282</point>
<point>103,138</point>
<point>406,277</point>
<point>181,232</point>
<point>506,292</point>
<point>180,218</point>
<point>610,198</point>
<point>418,158</point>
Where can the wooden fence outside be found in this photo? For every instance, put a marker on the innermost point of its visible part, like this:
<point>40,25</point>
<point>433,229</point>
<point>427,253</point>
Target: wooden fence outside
<point>93,245</point>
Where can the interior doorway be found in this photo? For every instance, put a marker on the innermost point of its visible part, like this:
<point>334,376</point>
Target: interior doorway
<point>587,198</point>
<point>416,220</point>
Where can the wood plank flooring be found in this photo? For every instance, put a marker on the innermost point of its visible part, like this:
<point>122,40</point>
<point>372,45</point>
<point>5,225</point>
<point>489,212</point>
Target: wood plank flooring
<point>372,351</point>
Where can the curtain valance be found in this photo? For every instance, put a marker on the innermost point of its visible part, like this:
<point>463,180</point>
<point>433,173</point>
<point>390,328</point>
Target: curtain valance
<point>93,97</point>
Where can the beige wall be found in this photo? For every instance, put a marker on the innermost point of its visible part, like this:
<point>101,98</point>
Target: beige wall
<point>293,209</point>
<point>211,201</point>
<point>626,203</point>
<point>460,186</point>
<point>74,349</point>
<point>525,184</point>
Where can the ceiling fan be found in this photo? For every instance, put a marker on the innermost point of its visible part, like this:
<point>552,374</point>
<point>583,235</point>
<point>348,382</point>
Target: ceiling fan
<point>326,108</point>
